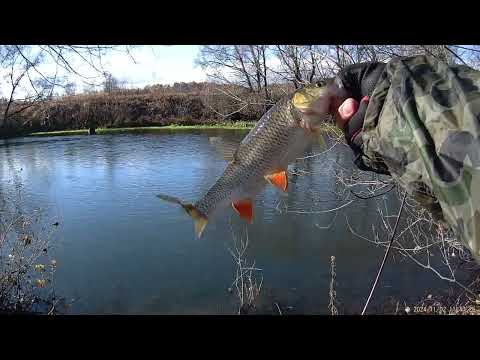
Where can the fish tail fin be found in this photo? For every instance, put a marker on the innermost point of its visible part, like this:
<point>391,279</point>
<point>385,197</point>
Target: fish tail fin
<point>199,220</point>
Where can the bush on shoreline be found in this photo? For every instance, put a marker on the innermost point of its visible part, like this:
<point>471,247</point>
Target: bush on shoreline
<point>181,104</point>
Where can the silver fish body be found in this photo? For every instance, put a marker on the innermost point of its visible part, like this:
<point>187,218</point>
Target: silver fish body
<point>274,143</point>
<point>263,156</point>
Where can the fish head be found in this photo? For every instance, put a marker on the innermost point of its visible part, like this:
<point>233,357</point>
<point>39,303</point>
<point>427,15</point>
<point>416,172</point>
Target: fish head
<point>313,103</point>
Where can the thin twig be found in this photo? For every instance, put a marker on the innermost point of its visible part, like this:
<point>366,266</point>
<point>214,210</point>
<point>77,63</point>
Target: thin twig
<point>386,254</point>
<point>278,307</point>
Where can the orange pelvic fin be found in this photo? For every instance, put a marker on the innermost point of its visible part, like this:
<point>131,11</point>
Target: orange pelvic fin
<point>244,209</point>
<point>278,179</point>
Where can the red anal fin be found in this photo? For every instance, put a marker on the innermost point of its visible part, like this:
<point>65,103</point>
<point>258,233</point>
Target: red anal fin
<point>244,209</point>
<point>278,179</point>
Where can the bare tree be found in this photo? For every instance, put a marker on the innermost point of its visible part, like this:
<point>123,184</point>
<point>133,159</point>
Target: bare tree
<point>254,71</point>
<point>257,55</point>
<point>244,68</point>
<point>244,65</point>
<point>70,89</point>
<point>225,64</point>
<point>298,64</point>
<point>111,83</point>
<point>33,73</point>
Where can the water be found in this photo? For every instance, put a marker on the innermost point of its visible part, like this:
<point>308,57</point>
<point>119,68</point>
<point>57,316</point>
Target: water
<point>121,250</point>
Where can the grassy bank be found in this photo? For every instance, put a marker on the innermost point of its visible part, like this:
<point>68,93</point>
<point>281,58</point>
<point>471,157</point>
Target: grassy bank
<point>148,129</point>
<point>239,125</point>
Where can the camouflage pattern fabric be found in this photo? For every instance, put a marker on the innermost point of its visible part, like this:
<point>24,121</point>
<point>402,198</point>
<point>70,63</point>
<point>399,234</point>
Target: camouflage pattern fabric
<point>423,125</point>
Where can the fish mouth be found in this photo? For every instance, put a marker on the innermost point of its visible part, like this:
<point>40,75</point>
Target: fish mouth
<point>314,106</point>
<point>305,98</point>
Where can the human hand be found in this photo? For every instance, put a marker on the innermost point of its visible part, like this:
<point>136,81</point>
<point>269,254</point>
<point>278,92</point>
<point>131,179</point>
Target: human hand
<point>352,88</point>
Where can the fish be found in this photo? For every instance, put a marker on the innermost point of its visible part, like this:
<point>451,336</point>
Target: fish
<point>279,137</point>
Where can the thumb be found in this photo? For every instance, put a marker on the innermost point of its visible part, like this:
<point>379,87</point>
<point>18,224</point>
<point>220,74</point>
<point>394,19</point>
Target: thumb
<point>346,111</point>
<point>354,125</point>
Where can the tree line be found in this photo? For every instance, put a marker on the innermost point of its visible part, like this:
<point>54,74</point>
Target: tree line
<point>258,66</point>
<point>243,82</point>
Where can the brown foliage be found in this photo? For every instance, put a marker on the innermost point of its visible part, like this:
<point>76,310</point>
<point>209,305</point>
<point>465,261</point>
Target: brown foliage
<point>182,103</point>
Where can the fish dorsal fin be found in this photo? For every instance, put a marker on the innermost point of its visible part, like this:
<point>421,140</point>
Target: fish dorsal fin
<point>244,208</point>
<point>226,148</point>
<point>278,179</point>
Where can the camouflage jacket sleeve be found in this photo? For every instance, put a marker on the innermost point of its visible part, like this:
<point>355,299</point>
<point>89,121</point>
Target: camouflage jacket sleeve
<point>423,125</point>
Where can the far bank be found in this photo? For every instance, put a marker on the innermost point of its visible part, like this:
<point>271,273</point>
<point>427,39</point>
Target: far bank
<point>147,129</point>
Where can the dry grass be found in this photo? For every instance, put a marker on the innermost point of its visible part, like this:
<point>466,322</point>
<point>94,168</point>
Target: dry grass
<point>27,269</point>
<point>421,238</point>
<point>248,278</point>
<point>332,293</point>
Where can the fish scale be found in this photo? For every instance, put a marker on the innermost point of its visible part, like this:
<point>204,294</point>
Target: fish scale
<point>263,155</point>
<point>259,152</point>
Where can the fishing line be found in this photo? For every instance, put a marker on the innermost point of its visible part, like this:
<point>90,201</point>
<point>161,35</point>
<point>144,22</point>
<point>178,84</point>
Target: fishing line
<point>372,196</point>
<point>386,254</point>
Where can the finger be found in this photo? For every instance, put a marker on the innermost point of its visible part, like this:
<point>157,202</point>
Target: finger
<point>353,127</point>
<point>345,112</point>
<point>348,108</point>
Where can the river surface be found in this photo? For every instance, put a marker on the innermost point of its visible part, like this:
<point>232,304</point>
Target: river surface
<point>120,250</point>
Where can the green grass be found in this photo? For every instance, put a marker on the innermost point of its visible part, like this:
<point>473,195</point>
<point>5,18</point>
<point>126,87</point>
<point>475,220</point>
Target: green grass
<point>60,133</point>
<point>101,131</point>
<point>240,125</point>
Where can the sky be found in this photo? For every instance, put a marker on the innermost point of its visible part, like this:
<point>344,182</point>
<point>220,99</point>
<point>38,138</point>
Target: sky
<point>155,65</point>
<point>147,65</point>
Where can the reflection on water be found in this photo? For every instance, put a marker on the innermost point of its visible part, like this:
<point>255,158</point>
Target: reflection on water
<point>121,250</point>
